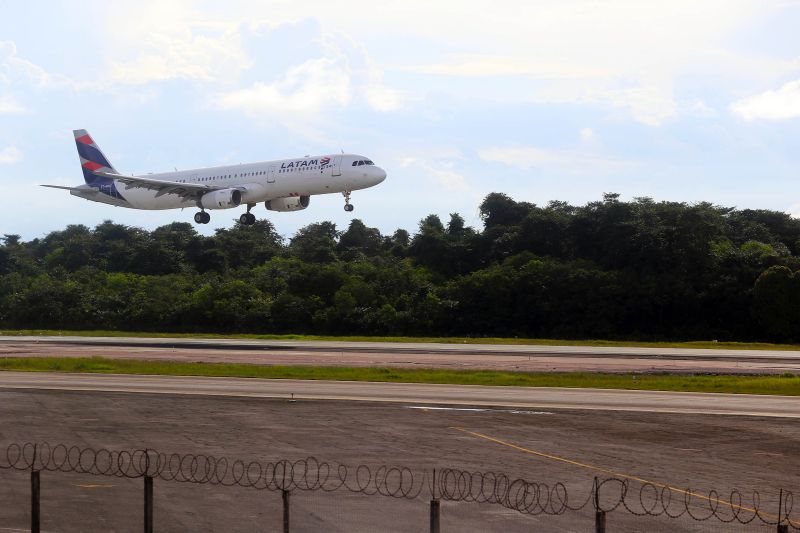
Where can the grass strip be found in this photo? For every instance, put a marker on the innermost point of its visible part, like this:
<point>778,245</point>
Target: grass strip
<point>700,344</point>
<point>786,384</point>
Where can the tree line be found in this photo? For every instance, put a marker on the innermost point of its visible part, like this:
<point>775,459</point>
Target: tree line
<point>612,269</point>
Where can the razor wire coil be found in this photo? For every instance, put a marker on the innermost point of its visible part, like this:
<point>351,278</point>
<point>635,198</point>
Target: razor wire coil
<point>611,494</point>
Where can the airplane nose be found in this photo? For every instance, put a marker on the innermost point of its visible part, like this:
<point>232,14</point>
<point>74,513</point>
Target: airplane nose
<point>380,174</point>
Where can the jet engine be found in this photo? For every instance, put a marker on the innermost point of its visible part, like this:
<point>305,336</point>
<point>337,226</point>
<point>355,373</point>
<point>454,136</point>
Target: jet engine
<point>222,199</point>
<point>295,203</point>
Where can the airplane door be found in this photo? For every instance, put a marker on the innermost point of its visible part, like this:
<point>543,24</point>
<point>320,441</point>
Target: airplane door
<point>271,175</point>
<point>336,170</point>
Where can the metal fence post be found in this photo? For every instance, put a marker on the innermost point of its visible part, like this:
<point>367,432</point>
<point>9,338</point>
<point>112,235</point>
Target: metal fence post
<point>148,494</point>
<point>35,501</point>
<point>599,514</point>
<point>434,516</point>
<point>434,519</point>
<point>782,528</point>
<point>285,494</point>
<point>148,504</point>
<point>600,522</point>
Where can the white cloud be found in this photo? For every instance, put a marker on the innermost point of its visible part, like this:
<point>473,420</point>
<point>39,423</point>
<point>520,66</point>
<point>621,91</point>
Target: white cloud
<point>651,105</point>
<point>10,105</point>
<point>794,210</point>
<point>182,54</point>
<point>629,54</point>
<point>442,170</point>
<point>176,40</point>
<point>780,104</point>
<point>379,96</point>
<point>573,161</point>
<point>587,134</point>
<point>153,41</point>
<point>483,65</point>
<point>10,155</point>
<point>337,79</point>
<point>648,98</point>
<point>698,108</point>
<point>449,179</point>
<point>305,89</point>
<point>16,70</point>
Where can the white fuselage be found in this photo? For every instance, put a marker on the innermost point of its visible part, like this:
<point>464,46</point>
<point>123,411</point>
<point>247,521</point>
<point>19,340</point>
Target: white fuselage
<point>257,182</point>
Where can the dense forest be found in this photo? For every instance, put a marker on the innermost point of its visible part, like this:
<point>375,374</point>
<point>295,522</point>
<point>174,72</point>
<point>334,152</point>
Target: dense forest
<point>609,269</point>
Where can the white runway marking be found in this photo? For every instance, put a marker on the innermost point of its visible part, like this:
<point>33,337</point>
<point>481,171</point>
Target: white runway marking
<point>477,410</point>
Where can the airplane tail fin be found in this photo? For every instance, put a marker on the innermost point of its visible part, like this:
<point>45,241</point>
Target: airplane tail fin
<point>92,158</point>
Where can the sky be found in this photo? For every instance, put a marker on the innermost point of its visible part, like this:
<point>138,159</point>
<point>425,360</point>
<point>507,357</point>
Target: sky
<point>542,100</point>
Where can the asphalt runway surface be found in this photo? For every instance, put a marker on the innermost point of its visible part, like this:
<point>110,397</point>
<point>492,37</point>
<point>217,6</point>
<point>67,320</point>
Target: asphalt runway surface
<point>547,443</point>
<point>429,394</point>
<point>411,355</point>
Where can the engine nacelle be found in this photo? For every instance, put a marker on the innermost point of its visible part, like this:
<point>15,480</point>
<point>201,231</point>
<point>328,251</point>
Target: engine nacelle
<point>222,199</point>
<point>295,203</point>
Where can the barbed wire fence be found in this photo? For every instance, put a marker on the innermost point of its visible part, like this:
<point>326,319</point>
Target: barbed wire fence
<point>604,496</point>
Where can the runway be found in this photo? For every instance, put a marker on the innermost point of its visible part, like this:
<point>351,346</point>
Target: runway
<point>416,394</point>
<point>526,358</point>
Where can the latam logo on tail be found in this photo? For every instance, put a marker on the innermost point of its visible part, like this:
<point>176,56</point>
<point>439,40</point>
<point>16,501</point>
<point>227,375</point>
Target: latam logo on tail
<point>283,185</point>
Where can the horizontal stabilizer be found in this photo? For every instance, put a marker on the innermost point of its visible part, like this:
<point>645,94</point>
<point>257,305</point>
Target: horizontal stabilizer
<point>63,187</point>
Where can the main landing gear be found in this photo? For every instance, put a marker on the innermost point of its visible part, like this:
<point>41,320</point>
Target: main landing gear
<point>248,219</point>
<point>347,205</point>
<point>202,217</point>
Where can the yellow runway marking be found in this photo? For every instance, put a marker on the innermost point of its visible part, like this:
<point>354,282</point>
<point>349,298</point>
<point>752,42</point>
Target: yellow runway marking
<point>611,472</point>
<point>93,486</point>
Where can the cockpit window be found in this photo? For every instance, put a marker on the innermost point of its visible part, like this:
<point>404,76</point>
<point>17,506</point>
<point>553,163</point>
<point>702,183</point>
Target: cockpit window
<point>362,162</point>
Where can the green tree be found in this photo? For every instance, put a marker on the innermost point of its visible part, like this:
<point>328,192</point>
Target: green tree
<point>359,241</point>
<point>776,302</point>
<point>316,243</point>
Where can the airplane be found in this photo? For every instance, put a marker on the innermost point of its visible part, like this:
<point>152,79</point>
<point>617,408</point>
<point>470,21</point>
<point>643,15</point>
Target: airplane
<point>283,185</point>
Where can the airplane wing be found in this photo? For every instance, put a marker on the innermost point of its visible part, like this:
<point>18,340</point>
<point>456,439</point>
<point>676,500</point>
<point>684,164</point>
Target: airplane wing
<point>162,187</point>
<point>186,190</point>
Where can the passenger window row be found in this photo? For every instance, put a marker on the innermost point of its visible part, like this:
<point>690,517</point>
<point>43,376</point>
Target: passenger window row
<point>229,176</point>
<point>303,169</point>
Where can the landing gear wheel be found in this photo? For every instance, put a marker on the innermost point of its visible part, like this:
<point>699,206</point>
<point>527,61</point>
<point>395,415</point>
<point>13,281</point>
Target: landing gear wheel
<point>347,205</point>
<point>202,217</point>
<point>247,219</point>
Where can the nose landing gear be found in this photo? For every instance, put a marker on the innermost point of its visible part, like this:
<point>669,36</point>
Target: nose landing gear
<point>248,218</point>
<point>202,217</point>
<point>347,205</point>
